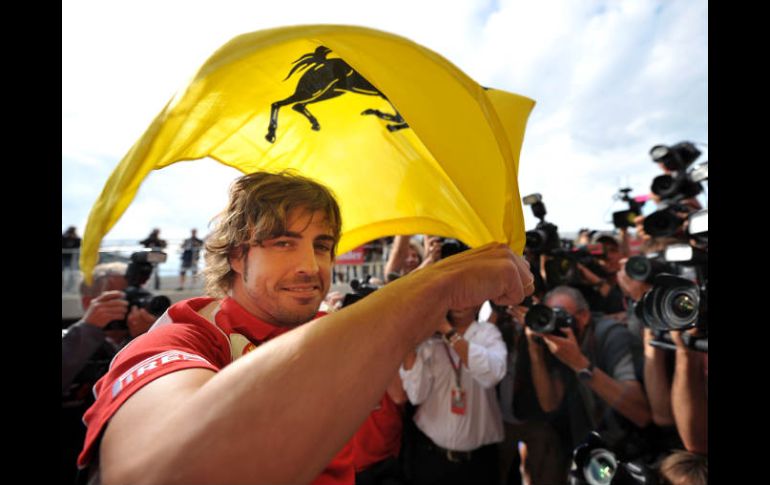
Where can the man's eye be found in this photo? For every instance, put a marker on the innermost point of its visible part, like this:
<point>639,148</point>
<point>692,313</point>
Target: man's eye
<point>323,247</point>
<point>282,244</point>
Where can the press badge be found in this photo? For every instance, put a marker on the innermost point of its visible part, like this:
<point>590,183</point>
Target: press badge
<point>458,401</point>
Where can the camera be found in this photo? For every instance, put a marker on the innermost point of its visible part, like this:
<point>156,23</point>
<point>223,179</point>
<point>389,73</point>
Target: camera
<point>624,219</point>
<point>675,157</point>
<point>593,463</point>
<point>360,290</point>
<point>545,236</point>
<point>450,247</point>
<point>544,319</point>
<point>675,304</point>
<point>137,274</point>
<point>673,188</point>
<point>646,268</point>
<point>561,267</point>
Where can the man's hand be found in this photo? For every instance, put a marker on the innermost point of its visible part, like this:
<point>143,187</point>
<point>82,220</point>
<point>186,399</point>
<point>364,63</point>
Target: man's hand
<point>432,249</point>
<point>566,349</point>
<point>105,308</point>
<point>491,272</point>
<point>139,321</point>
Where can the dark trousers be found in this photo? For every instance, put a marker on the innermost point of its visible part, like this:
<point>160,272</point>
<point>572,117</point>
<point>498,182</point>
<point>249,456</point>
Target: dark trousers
<point>385,472</point>
<point>432,466</point>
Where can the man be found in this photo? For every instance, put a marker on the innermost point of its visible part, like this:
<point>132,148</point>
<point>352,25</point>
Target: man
<point>180,403</point>
<point>604,294</point>
<point>70,243</point>
<point>453,379</point>
<point>191,248</point>
<point>604,393</point>
<point>87,348</point>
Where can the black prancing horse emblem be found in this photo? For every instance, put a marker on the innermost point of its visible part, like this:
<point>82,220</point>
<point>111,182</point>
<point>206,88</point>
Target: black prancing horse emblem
<point>326,79</point>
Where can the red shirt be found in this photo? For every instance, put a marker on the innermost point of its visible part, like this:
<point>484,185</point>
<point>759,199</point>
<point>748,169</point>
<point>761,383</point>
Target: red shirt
<point>380,435</point>
<point>183,339</point>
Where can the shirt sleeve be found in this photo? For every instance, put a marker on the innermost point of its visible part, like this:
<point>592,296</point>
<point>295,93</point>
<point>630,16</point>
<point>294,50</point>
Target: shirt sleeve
<point>78,343</point>
<point>167,349</point>
<point>487,355</point>
<point>418,380</point>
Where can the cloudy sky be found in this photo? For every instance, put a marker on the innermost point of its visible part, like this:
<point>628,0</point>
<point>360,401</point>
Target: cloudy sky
<point>610,78</point>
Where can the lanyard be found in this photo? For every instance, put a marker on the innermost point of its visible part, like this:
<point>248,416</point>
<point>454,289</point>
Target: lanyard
<point>458,369</point>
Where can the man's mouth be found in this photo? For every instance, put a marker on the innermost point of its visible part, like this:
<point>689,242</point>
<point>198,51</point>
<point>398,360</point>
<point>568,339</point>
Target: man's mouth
<point>303,290</point>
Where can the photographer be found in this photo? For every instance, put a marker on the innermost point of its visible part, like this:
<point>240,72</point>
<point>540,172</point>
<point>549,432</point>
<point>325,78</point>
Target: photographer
<point>103,302</point>
<point>456,444</point>
<point>604,295</point>
<point>604,392</point>
<point>87,348</point>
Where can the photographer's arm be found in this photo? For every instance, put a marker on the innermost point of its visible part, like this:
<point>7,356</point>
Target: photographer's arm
<point>84,337</point>
<point>625,396</point>
<point>601,285</point>
<point>548,388</point>
<point>656,382</point>
<point>398,253</point>
<point>688,397</point>
<point>194,426</point>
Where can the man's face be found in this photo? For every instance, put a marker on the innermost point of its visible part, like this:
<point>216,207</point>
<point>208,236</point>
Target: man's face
<point>284,280</point>
<point>463,317</point>
<point>412,260</point>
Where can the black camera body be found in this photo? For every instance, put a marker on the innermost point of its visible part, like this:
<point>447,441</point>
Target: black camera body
<point>625,218</point>
<point>137,274</point>
<point>646,268</point>
<point>675,304</point>
<point>360,290</point>
<point>673,188</point>
<point>547,320</point>
<point>561,267</point>
<point>450,247</point>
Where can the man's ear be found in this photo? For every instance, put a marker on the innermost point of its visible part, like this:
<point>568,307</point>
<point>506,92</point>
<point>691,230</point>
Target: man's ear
<point>236,259</point>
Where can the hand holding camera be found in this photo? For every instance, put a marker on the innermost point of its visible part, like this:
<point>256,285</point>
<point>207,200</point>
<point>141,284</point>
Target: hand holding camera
<point>109,306</point>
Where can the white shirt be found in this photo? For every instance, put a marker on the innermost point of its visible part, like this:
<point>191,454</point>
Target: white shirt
<point>430,381</point>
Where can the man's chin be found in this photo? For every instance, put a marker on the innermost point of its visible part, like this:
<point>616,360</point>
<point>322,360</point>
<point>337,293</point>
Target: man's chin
<point>298,316</point>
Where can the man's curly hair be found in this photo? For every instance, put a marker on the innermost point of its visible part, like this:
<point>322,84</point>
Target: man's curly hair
<point>258,210</point>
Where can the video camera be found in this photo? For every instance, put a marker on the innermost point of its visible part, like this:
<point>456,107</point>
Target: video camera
<point>137,274</point>
<point>673,188</point>
<point>450,247</point>
<point>625,218</point>
<point>360,290</point>
<point>561,267</point>
<point>593,463</point>
<point>674,303</point>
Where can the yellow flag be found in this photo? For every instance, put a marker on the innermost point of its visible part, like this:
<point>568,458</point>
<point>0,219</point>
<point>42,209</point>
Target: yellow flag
<point>407,141</point>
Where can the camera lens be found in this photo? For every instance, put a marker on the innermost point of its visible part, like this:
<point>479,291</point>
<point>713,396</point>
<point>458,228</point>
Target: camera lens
<point>662,223</point>
<point>638,267</point>
<point>601,467</point>
<point>539,318</point>
<point>683,306</point>
<point>679,308</point>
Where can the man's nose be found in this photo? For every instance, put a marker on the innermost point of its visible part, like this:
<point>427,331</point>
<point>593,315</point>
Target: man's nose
<point>307,261</point>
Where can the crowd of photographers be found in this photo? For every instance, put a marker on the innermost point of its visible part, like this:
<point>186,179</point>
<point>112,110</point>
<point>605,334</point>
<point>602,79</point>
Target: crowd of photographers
<point>605,375</point>
<point>600,377</point>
